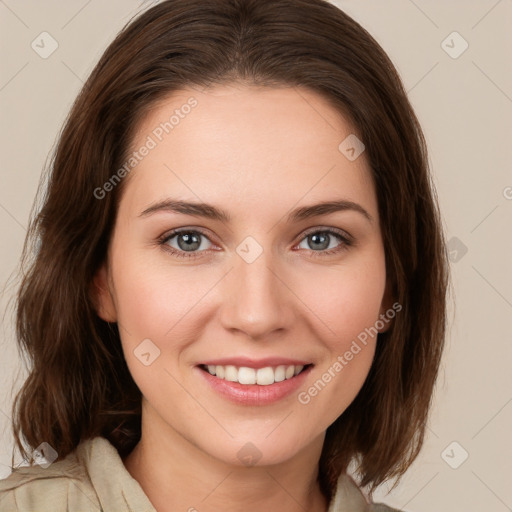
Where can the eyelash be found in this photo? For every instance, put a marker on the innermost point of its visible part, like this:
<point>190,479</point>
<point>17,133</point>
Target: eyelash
<point>341,235</point>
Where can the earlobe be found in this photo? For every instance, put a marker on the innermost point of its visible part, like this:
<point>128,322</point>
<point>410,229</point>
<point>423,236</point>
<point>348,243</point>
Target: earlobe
<point>101,296</point>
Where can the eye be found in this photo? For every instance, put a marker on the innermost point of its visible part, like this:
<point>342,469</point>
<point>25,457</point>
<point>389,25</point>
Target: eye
<point>188,242</point>
<point>320,240</point>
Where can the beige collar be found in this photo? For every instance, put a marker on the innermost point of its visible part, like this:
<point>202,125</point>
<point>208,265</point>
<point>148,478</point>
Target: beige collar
<point>348,497</point>
<point>122,492</point>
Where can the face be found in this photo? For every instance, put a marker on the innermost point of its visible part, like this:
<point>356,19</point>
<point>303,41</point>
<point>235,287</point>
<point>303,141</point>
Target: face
<point>271,296</point>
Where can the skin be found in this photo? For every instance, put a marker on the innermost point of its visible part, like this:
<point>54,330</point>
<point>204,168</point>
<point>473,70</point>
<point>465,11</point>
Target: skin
<point>257,153</point>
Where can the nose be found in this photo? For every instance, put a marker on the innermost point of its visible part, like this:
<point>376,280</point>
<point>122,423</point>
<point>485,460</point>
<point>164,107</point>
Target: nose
<point>256,300</point>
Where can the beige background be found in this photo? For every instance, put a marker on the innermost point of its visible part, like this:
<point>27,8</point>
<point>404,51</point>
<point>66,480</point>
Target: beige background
<point>465,106</point>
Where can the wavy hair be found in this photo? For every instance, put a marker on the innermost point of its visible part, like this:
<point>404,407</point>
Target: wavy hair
<point>79,385</point>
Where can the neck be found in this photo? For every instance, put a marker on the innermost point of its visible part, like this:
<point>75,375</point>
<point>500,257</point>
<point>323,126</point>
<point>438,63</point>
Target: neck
<point>177,475</point>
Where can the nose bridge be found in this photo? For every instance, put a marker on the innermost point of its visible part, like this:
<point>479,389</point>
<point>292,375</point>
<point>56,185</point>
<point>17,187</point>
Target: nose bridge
<point>256,301</point>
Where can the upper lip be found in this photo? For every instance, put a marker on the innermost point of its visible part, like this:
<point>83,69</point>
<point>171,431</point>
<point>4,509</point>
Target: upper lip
<point>255,363</point>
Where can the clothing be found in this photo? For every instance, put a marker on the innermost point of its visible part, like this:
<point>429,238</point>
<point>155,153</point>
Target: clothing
<point>94,478</point>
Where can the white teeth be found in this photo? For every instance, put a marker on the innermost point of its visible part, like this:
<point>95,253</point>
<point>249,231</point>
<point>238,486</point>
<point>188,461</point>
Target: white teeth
<point>231,373</point>
<point>247,375</point>
<point>280,373</point>
<point>261,376</point>
<point>265,376</point>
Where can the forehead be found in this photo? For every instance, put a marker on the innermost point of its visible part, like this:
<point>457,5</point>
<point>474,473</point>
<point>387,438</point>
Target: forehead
<point>249,145</point>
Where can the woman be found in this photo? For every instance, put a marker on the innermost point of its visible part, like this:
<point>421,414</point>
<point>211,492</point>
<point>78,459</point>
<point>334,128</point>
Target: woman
<point>239,286</point>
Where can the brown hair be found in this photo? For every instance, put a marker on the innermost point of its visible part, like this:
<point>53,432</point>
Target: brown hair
<point>79,385</point>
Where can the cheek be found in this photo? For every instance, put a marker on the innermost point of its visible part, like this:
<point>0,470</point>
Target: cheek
<point>345,300</point>
<point>156,311</point>
<point>347,304</point>
<point>152,300</point>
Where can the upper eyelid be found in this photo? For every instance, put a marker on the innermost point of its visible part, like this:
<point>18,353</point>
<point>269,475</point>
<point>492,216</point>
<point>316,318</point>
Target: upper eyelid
<point>337,231</point>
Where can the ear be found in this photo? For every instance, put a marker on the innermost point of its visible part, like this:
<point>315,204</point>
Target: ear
<point>386,305</point>
<point>102,297</point>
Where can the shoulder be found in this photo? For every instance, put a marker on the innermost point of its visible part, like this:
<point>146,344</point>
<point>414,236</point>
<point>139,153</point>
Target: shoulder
<point>348,496</point>
<point>91,478</point>
<point>53,488</point>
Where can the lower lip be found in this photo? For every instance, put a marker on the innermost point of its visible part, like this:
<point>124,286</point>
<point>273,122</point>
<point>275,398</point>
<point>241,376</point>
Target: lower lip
<point>254,394</point>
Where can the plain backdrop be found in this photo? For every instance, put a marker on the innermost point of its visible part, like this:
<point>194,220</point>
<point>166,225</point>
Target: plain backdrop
<point>454,59</point>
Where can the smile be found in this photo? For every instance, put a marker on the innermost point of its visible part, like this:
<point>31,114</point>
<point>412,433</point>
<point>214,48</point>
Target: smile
<point>261,376</point>
<point>249,386</point>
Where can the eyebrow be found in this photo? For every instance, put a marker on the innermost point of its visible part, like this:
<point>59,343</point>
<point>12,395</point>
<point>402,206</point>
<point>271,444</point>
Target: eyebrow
<point>211,212</point>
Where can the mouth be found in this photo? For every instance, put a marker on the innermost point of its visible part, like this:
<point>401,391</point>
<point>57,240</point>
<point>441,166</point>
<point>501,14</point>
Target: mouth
<point>255,384</point>
<point>246,375</point>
